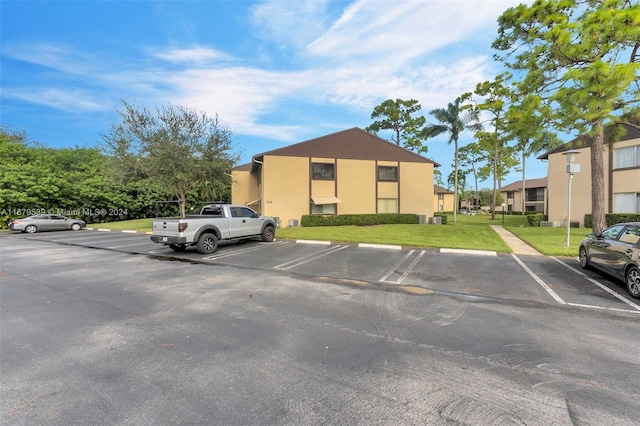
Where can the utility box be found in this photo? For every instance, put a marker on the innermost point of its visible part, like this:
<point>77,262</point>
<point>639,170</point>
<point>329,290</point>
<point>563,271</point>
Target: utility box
<point>422,219</point>
<point>436,220</point>
<point>293,223</point>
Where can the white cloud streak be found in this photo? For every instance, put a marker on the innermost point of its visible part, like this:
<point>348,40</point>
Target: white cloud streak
<point>373,51</point>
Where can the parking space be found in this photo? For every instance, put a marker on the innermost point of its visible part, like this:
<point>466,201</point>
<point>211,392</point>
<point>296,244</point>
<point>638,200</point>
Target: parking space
<point>484,274</point>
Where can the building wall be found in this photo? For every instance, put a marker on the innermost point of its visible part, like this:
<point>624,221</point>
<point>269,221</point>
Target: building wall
<point>356,186</point>
<point>245,188</point>
<point>446,202</point>
<point>558,186</point>
<point>514,204</point>
<point>615,181</point>
<point>416,187</point>
<point>287,188</point>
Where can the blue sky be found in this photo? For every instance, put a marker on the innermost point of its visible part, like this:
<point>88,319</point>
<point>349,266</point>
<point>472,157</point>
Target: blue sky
<point>275,72</point>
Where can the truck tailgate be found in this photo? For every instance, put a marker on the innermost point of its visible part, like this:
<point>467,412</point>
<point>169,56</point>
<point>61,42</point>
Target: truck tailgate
<point>166,227</point>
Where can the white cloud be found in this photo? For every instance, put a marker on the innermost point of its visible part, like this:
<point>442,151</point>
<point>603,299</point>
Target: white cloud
<point>373,51</point>
<point>289,23</point>
<point>66,100</point>
<point>195,55</point>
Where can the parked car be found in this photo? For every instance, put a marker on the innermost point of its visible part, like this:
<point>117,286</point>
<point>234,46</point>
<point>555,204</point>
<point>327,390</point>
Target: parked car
<point>46,222</point>
<point>617,252</point>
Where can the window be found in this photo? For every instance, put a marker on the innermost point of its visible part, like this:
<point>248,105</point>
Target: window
<point>627,202</point>
<point>627,157</point>
<point>631,235</point>
<point>388,173</point>
<point>242,212</point>
<point>535,194</point>
<point>612,233</point>
<point>440,208</point>
<point>324,171</point>
<point>509,194</point>
<point>387,205</point>
<point>440,196</point>
<point>323,209</point>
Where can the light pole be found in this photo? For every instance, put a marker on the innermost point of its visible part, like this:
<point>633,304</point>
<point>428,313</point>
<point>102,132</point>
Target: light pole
<point>571,169</point>
<point>503,214</point>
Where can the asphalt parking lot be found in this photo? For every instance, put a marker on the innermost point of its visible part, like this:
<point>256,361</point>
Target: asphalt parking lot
<point>539,279</point>
<point>110,328</point>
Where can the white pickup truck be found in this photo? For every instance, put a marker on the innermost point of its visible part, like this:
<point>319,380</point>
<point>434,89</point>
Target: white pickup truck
<point>214,223</point>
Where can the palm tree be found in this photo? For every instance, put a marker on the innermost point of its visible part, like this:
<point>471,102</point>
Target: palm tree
<point>453,120</point>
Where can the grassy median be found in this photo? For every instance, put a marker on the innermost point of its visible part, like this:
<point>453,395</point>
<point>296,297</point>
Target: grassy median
<point>470,232</point>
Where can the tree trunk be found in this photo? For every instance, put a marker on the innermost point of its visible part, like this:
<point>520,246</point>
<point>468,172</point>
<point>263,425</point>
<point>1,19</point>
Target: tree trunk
<point>524,168</point>
<point>183,198</point>
<point>495,181</point>
<point>597,179</point>
<point>455,182</point>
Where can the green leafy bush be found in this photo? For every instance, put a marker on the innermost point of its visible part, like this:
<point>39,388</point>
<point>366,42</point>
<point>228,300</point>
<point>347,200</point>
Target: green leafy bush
<point>443,216</point>
<point>534,219</point>
<point>358,219</point>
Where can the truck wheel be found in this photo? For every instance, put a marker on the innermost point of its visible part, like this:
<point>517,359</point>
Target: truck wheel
<point>207,243</point>
<point>178,247</point>
<point>268,235</point>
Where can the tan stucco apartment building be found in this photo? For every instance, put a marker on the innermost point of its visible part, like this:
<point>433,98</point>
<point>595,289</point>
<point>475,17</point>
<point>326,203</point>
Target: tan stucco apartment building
<point>621,177</point>
<point>443,199</point>
<point>534,196</point>
<point>348,172</point>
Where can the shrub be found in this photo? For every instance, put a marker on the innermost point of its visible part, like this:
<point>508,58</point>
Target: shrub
<point>359,219</point>
<point>443,216</point>
<point>534,219</point>
<point>613,218</point>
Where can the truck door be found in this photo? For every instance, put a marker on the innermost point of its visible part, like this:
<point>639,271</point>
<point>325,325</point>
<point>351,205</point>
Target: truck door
<point>251,224</point>
<point>235,223</point>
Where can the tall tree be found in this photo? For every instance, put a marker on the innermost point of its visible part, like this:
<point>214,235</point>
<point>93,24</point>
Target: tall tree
<point>453,120</point>
<point>526,124</point>
<point>470,159</point>
<point>582,57</point>
<point>397,116</point>
<point>178,148</point>
<point>496,96</point>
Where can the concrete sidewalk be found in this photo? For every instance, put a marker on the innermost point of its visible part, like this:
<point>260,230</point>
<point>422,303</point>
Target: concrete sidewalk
<point>517,245</point>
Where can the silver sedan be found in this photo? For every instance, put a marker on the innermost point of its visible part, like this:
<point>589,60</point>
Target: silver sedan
<point>46,222</point>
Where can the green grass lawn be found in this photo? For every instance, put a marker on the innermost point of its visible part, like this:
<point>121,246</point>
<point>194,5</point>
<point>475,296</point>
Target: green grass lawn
<point>470,232</point>
<point>140,225</point>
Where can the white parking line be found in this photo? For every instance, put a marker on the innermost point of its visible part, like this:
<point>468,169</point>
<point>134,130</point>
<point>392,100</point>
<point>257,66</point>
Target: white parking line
<point>603,287</point>
<point>309,258</point>
<point>393,270</point>
<point>539,281</point>
<point>242,250</point>
<point>465,251</point>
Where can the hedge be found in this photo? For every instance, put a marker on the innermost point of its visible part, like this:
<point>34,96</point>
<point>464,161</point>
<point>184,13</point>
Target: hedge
<point>359,219</point>
<point>613,218</point>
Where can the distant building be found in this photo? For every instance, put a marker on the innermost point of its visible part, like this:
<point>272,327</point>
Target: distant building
<point>443,199</point>
<point>533,199</point>
<point>347,172</point>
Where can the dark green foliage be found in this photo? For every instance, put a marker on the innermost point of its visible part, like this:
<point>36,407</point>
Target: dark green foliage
<point>534,219</point>
<point>613,218</point>
<point>359,219</point>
